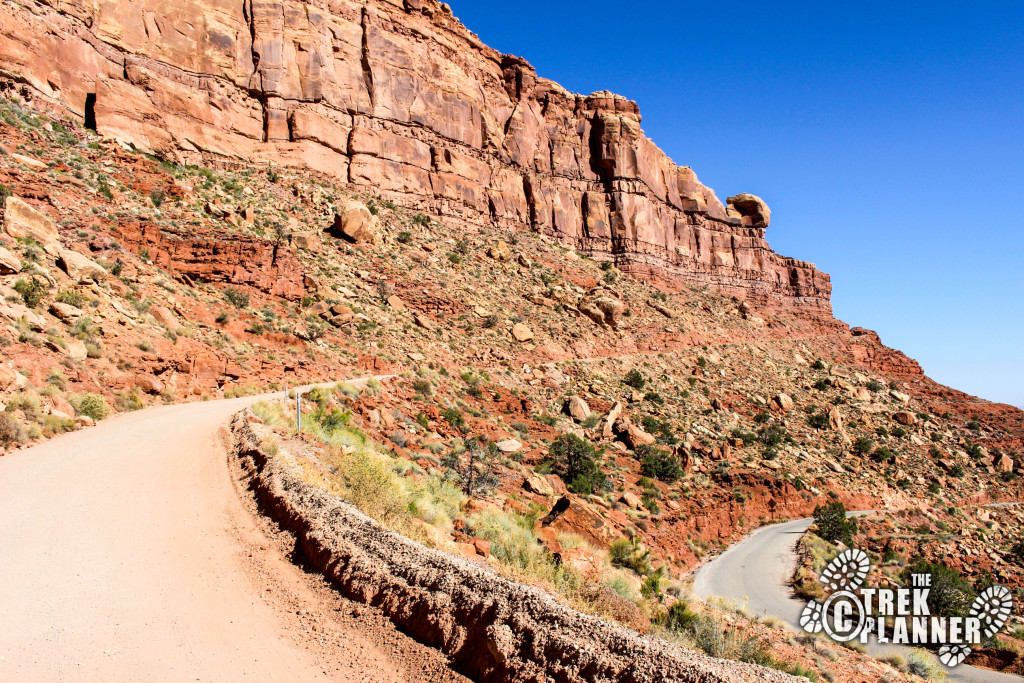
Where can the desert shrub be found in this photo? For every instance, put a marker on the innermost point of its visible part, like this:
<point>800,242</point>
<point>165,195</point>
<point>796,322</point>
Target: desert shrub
<point>91,405</point>
<point>678,617</point>
<point>818,420</point>
<point>863,445</point>
<point>72,297</point>
<point>832,523</point>
<point>884,454</point>
<point>773,435</point>
<point>421,219</point>
<point>576,463</point>
<point>454,417</point>
<point>404,237</point>
<point>373,487</point>
<point>591,421</point>
<point>874,386</point>
<point>236,298</point>
<point>475,468</point>
<point>32,291</point>
<point>634,379</point>
<point>818,365</point>
<point>708,634</point>
<point>747,438</point>
<point>10,431</point>
<point>631,554</point>
<point>924,664</point>
<point>974,426</point>
<point>658,463</point>
<point>822,384</point>
<point>422,386</point>
<point>655,398</point>
<point>951,594</point>
<point>511,536</point>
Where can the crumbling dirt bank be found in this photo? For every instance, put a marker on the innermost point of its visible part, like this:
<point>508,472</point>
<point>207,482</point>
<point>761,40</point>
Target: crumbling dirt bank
<point>491,628</point>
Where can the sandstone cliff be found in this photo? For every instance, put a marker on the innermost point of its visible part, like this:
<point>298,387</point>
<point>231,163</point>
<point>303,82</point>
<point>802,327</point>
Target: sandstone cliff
<point>396,97</point>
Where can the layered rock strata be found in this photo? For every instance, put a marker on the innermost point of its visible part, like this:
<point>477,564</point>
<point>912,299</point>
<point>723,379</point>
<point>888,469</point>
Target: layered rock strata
<point>398,98</point>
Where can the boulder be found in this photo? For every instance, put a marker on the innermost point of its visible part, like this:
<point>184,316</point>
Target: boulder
<point>355,222</point>
<point>539,485</point>
<point>632,500</point>
<point>499,252</point>
<point>76,350</point>
<point>21,220</point>
<point>784,402</point>
<point>610,419</point>
<point>509,446</point>
<point>163,316</point>
<point>9,263</point>
<point>79,268</point>
<point>603,307</point>
<point>307,240</point>
<point>396,303</point>
<point>66,313</point>
<point>149,384</point>
<point>750,209</point>
<point>577,408</point>
<point>904,418</point>
<point>521,332</point>
<point>1004,463</point>
<point>632,434</point>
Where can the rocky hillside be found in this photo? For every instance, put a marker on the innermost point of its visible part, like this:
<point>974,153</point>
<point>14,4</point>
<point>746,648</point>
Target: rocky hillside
<point>400,99</point>
<point>599,373</point>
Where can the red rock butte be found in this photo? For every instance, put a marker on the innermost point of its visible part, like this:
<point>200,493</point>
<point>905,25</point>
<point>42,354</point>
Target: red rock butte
<point>398,98</point>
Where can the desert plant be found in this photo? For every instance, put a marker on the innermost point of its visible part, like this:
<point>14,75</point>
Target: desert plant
<point>31,291</point>
<point>576,463</point>
<point>236,298</point>
<point>91,405</point>
<point>474,469</point>
<point>634,379</point>
<point>832,523</point>
<point>658,463</point>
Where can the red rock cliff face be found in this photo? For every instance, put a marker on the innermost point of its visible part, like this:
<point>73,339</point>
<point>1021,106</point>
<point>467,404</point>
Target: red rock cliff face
<point>398,97</point>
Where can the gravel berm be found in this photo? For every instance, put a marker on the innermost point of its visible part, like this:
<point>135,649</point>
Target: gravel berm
<point>493,629</point>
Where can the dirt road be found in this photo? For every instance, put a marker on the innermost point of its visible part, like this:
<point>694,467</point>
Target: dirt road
<point>128,555</point>
<point>754,572</point>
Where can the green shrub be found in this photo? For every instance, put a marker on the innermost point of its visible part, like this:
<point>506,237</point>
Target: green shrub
<point>421,219</point>
<point>658,463</point>
<point>863,445</point>
<point>678,617</point>
<point>236,298</point>
<point>404,237</point>
<point>91,405</point>
<point>832,523</point>
<point>884,454</point>
<point>72,297</point>
<point>818,365</point>
<point>634,379</point>
<point>630,554</point>
<point>818,420</point>
<point>576,463</point>
<point>454,417</point>
<point>31,291</point>
<point>924,664</point>
<point>951,594</point>
<point>10,431</point>
<point>874,386</point>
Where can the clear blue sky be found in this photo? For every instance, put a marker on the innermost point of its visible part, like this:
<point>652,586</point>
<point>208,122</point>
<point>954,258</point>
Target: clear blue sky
<point>888,139</point>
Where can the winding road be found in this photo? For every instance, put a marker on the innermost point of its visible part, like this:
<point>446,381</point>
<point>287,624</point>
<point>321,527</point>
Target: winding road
<point>754,572</point>
<point>128,555</point>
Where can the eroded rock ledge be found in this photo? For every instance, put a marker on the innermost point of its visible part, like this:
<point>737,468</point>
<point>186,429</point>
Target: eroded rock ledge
<point>397,97</point>
<point>491,628</point>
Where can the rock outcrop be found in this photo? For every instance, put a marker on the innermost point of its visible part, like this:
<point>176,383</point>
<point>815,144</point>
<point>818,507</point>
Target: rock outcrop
<point>401,99</point>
